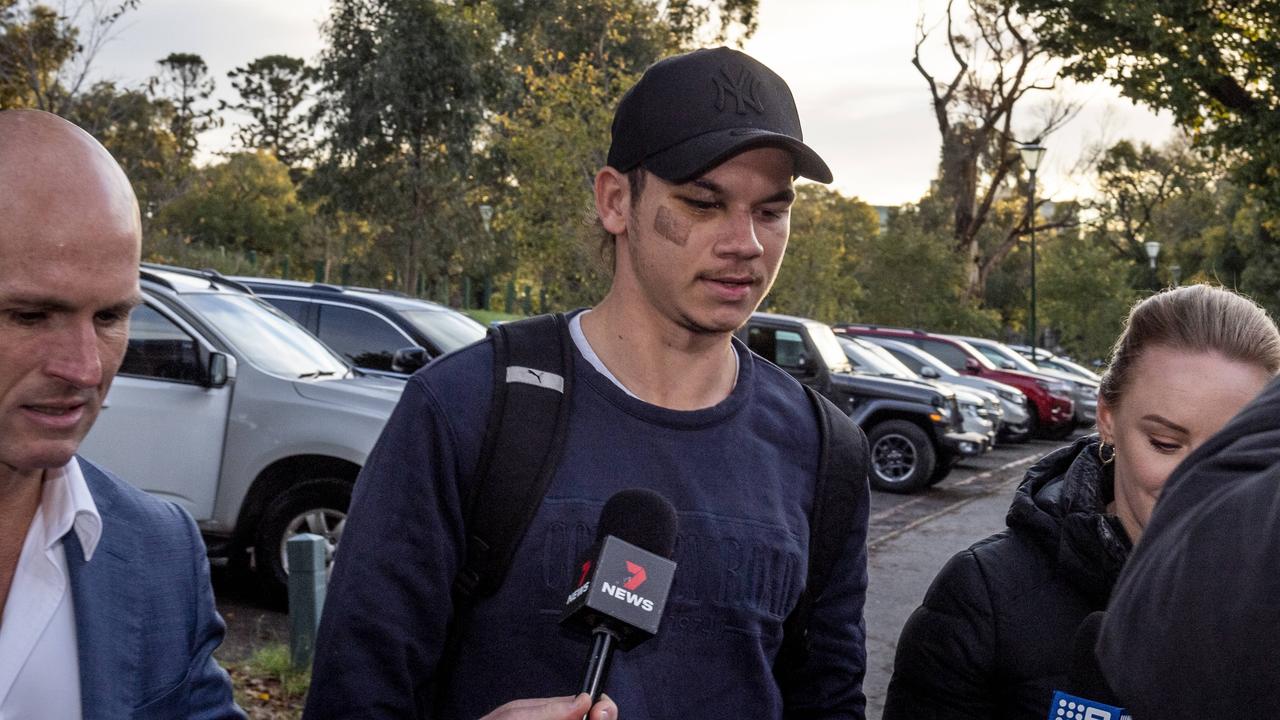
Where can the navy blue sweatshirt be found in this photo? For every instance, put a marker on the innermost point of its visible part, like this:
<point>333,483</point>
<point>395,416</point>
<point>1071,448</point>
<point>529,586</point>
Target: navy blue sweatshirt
<point>741,477</point>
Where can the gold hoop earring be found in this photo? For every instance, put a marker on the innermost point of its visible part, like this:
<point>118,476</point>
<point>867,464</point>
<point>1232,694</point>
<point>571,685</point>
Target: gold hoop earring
<point>1106,453</point>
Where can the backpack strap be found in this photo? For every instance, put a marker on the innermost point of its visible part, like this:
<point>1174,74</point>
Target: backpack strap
<point>528,421</point>
<point>841,485</point>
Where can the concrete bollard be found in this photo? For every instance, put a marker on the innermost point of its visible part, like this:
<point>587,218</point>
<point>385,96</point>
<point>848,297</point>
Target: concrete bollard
<point>307,580</point>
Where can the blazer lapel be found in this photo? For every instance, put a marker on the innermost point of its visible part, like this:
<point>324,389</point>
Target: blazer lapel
<point>105,593</point>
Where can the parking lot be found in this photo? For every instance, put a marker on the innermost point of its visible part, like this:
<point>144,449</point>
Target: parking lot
<point>911,536</point>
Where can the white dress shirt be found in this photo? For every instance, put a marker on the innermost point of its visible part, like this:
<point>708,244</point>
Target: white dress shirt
<point>39,664</point>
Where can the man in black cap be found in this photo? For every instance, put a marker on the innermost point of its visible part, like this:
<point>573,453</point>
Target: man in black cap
<point>696,200</point>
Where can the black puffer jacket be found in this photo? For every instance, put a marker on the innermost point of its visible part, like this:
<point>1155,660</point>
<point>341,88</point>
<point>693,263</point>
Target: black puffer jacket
<point>993,636</point>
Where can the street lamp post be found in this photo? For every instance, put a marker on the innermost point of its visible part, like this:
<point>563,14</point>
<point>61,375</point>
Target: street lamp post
<point>1032,153</point>
<point>1153,251</point>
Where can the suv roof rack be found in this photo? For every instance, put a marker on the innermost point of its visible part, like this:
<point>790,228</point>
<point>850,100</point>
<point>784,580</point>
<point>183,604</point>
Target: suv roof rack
<point>205,273</point>
<point>867,326</point>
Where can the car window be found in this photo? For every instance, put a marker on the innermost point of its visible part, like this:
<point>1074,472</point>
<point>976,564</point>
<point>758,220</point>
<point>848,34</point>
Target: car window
<point>994,356</point>
<point>159,349</point>
<point>296,309</point>
<point>781,347</point>
<point>364,338</point>
<point>449,330</point>
<point>266,337</point>
<point>946,352</point>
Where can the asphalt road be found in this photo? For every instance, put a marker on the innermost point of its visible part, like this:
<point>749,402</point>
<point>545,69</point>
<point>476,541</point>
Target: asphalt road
<point>910,538</point>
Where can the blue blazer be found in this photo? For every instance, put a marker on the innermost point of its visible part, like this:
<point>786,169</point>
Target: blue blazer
<point>146,624</point>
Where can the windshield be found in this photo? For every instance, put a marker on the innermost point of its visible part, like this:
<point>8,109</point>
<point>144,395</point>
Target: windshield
<point>896,366</point>
<point>999,354</point>
<point>915,357</point>
<point>266,337</point>
<point>829,347</point>
<point>866,361</point>
<point>448,330</point>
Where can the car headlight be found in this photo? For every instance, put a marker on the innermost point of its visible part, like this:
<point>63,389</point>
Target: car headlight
<point>1090,392</point>
<point>970,410</point>
<point>1013,396</point>
<point>1055,387</point>
<point>942,410</point>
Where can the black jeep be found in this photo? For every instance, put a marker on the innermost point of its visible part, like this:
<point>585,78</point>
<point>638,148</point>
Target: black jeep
<point>915,431</point>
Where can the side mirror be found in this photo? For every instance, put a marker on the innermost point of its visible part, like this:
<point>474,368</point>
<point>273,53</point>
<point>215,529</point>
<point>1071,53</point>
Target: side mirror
<point>1008,365</point>
<point>409,360</point>
<point>929,373</point>
<point>216,372</point>
<point>971,366</point>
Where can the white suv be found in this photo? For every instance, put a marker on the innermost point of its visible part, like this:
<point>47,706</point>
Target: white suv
<point>229,408</point>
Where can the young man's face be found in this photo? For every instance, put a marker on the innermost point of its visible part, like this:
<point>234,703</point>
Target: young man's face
<point>704,253</point>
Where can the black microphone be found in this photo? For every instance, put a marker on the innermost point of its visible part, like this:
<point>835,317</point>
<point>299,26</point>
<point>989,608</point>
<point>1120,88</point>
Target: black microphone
<point>1088,695</point>
<point>1085,678</point>
<point>623,586</point>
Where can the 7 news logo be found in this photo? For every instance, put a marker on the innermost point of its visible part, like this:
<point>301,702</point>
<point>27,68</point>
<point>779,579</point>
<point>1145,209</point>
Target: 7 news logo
<point>632,583</point>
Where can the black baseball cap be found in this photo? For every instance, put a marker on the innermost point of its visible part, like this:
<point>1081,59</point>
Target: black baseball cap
<point>691,112</point>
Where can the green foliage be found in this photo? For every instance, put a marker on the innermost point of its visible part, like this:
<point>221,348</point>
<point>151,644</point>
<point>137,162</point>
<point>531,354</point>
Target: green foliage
<point>552,145</point>
<point>1214,65</point>
<point>402,116</point>
<point>247,203</point>
<point>272,90</point>
<point>910,277</point>
<point>185,84</point>
<point>1084,294</point>
<point>35,44</point>
<point>135,129</point>
<point>828,234</point>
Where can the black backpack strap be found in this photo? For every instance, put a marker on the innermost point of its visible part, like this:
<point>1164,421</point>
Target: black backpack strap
<point>841,486</point>
<point>528,421</point>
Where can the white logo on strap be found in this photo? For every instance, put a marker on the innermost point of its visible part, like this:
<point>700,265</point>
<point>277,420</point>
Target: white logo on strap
<point>541,378</point>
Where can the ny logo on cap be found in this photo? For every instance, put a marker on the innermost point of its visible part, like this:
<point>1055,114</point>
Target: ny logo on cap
<point>742,88</point>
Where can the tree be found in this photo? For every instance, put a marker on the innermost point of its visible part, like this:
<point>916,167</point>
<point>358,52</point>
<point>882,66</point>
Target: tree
<point>136,130</point>
<point>828,234</point>
<point>998,62</point>
<point>272,90</point>
<point>246,203</point>
<point>1215,65</point>
<point>1084,293</point>
<point>910,278</point>
<point>184,82</point>
<point>402,116</point>
<point>46,52</point>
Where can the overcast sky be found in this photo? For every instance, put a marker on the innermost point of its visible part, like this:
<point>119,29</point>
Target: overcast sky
<point>864,107</point>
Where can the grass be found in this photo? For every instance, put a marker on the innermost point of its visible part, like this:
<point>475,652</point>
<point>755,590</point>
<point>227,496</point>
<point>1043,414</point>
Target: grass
<point>267,685</point>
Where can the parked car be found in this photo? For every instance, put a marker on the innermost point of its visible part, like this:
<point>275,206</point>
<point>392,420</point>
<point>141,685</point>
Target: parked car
<point>980,411</point>
<point>1084,392</point>
<point>1048,360</point>
<point>229,408</point>
<point>380,332</point>
<point>1051,397</point>
<point>1017,408</point>
<point>915,432</point>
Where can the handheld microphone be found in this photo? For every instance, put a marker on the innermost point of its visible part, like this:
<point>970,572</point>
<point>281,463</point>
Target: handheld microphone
<point>624,582</point>
<point>1089,696</point>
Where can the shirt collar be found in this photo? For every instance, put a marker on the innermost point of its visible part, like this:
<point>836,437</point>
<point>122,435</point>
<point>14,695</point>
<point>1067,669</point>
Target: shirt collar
<point>67,505</point>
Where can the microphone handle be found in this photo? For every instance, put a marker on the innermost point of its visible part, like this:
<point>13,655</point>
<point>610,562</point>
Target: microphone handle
<point>602,643</point>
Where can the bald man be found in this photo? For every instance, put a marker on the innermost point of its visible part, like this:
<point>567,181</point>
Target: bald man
<point>107,608</point>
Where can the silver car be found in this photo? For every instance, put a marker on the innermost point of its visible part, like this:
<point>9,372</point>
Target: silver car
<point>230,409</point>
<point>1084,392</point>
<point>980,411</point>
<point>1017,410</point>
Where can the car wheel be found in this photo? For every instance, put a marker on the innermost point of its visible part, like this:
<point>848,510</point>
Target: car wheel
<point>315,506</point>
<point>902,457</point>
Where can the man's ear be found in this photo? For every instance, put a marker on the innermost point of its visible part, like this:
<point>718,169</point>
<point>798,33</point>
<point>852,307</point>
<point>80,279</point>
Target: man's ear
<point>613,200</point>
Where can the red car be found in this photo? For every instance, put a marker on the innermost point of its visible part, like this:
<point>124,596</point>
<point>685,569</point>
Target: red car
<point>1051,397</point>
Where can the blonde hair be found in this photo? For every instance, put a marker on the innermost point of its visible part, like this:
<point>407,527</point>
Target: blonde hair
<point>1194,318</point>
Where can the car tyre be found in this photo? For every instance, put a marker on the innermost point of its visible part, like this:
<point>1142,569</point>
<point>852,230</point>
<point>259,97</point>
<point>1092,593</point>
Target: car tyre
<point>902,457</point>
<point>316,506</point>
